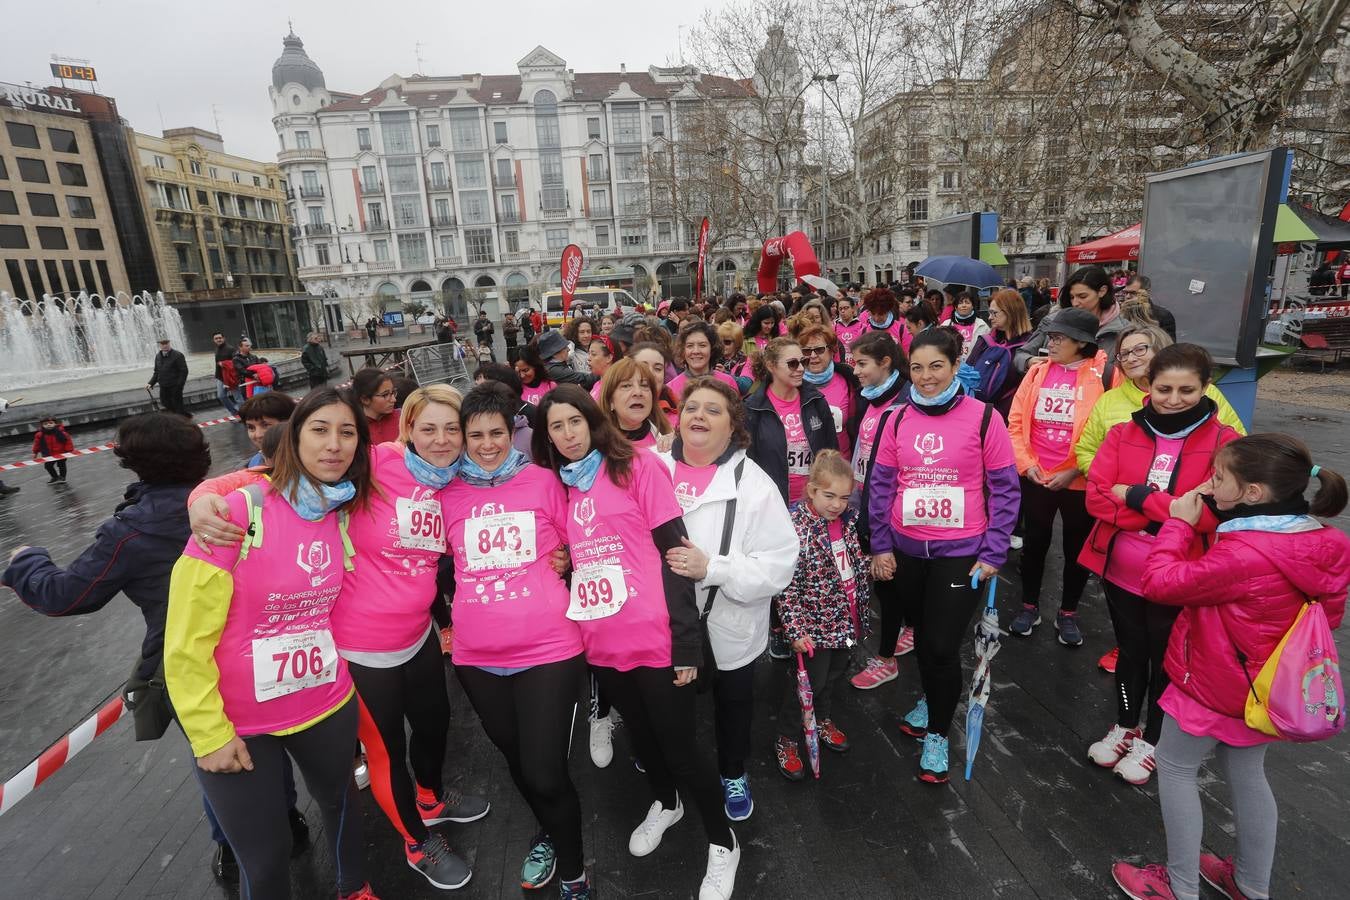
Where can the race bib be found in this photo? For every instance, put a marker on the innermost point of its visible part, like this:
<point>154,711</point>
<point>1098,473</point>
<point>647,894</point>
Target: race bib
<point>1055,404</point>
<point>420,525</point>
<point>293,662</point>
<point>597,593</point>
<point>841,560</point>
<point>502,541</point>
<point>799,459</point>
<point>1160,472</point>
<point>935,507</point>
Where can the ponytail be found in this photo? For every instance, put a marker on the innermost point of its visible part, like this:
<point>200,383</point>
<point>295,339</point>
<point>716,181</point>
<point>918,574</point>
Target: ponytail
<point>1330,499</point>
<point>1282,463</point>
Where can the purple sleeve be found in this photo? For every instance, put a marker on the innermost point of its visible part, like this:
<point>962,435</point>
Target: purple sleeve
<point>881,481</point>
<point>1005,496</point>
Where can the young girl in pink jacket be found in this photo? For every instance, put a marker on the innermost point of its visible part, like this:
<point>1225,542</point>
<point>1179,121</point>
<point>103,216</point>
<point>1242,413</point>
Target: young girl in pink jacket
<point>1270,557</point>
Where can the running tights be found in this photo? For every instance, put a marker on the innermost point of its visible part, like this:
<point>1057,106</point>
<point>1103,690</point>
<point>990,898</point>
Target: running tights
<point>892,609</point>
<point>1179,756</point>
<point>1039,506</point>
<point>413,692</point>
<point>939,604</point>
<point>529,716</point>
<point>733,713</point>
<point>662,722</point>
<point>251,805</point>
<point>1142,630</point>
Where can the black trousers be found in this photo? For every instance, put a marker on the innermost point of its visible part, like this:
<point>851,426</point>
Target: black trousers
<point>1040,506</point>
<point>661,721</point>
<point>733,712</point>
<point>529,716</point>
<point>825,669</point>
<point>892,609</point>
<point>171,398</point>
<point>55,468</point>
<point>414,693</point>
<point>316,381</point>
<point>251,806</point>
<point>1142,631</point>
<point>940,605</point>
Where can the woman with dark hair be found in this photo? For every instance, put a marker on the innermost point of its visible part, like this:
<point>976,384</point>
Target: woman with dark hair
<point>762,327</point>
<point>375,392</point>
<point>656,357</point>
<point>699,347</point>
<point>919,319</point>
<point>603,353</point>
<point>1010,328</point>
<point>1089,289</point>
<point>533,372</point>
<point>881,312</point>
<point>579,333</point>
<point>638,618</point>
<point>788,420</point>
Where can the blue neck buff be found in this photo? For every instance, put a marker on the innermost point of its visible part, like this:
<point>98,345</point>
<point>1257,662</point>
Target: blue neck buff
<point>472,473</point>
<point>425,473</point>
<point>968,377</point>
<point>312,504</point>
<point>877,390</point>
<point>819,378</point>
<point>945,397</point>
<point>881,323</point>
<point>581,474</point>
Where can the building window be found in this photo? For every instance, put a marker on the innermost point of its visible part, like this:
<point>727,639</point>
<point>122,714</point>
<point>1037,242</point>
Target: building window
<point>43,205</point>
<point>505,173</point>
<point>658,126</point>
<point>363,139</point>
<point>595,167</point>
<point>1050,232</point>
<point>382,251</point>
<point>628,166</point>
<point>88,239</point>
<point>402,177</point>
<point>33,170</point>
<point>593,128</point>
<point>257,181</point>
<point>375,213</point>
<point>443,214</point>
<point>474,206</point>
<point>302,140</point>
<point>8,205</point>
<point>438,179</point>
<point>663,232</point>
<point>159,162</point>
<point>234,176</point>
<point>627,124</point>
<point>508,208</point>
<point>633,237</point>
<point>448,246</point>
<point>21,135</point>
<point>464,130</point>
<point>511,242</point>
<point>470,172</point>
<point>51,238</point>
<point>478,245</point>
<point>396,133</point>
<point>12,237</point>
<point>214,173</point>
<point>407,212</point>
<point>1020,235</point>
<point>556,238</point>
<point>370,179</point>
<point>951,180</point>
<point>1054,206</point>
<point>320,254</point>
<point>918,209</point>
<point>599,202</point>
<point>412,250</point>
<point>433,135</point>
<point>499,132</point>
<point>4,175</point>
<point>315,215</point>
<point>602,236</point>
<point>630,199</point>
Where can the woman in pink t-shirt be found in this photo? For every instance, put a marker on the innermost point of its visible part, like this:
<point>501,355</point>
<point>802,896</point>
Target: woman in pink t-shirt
<point>700,348</point>
<point>638,618</point>
<point>628,396</point>
<point>835,381</point>
<point>532,372</point>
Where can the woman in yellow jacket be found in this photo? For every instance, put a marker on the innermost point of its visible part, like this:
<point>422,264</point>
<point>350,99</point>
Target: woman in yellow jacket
<point>1047,417</point>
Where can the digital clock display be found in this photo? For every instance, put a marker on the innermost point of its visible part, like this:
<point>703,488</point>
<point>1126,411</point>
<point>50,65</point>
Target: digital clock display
<point>77,73</point>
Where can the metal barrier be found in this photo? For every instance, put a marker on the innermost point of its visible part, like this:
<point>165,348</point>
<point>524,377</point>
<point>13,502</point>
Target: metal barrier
<point>440,364</point>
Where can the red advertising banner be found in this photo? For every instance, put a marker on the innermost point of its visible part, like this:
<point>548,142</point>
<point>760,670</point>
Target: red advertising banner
<point>702,258</point>
<point>571,274</point>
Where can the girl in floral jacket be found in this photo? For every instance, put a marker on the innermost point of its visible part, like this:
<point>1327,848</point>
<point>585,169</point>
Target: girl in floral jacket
<point>822,609</point>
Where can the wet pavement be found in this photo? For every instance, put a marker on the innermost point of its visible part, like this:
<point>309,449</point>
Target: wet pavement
<point>124,820</point>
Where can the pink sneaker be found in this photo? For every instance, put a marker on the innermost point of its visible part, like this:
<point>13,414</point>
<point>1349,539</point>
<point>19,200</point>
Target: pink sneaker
<point>1219,874</point>
<point>877,673</point>
<point>905,642</point>
<point>1108,661</point>
<point>1143,882</point>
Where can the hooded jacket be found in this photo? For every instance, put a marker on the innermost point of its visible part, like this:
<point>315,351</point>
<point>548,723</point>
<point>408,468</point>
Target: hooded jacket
<point>133,552</point>
<point>768,440</point>
<point>1240,597</point>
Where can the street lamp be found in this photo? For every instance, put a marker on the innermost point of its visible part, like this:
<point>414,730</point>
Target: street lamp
<point>821,78</point>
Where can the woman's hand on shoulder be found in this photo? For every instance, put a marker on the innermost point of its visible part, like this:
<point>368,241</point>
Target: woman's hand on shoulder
<point>665,441</point>
<point>209,518</point>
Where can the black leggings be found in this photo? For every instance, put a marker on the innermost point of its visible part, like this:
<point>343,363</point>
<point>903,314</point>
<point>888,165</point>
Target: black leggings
<point>251,806</point>
<point>940,604</point>
<point>733,712</point>
<point>415,692</point>
<point>529,717</point>
<point>824,669</point>
<point>662,722</point>
<point>1040,505</point>
<point>892,609</point>
<point>56,468</point>
<point>1142,631</point>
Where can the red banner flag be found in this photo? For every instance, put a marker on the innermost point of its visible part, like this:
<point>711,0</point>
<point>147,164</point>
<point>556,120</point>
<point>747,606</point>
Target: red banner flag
<point>702,258</point>
<point>571,274</point>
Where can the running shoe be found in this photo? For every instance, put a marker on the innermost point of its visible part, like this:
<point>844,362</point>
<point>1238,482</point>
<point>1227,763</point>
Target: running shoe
<point>454,806</point>
<point>1221,876</point>
<point>1138,765</point>
<point>448,641</point>
<point>1025,621</point>
<point>877,672</point>
<point>720,878</point>
<point>361,773</point>
<point>736,799</point>
<point>905,642</point>
<point>602,741</point>
<point>1112,748</point>
<point>437,863</point>
<point>1070,634</point>
<point>576,890</point>
<point>540,864</point>
<point>789,761</point>
<point>647,836</point>
<point>363,893</point>
<point>299,832</point>
<point>1108,661</point>
<point>1143,882</point>
<point>779,647</point>
<point>915,722</point>
<point>224,865</point>
<point>933,759</point>
<point>832,738</point>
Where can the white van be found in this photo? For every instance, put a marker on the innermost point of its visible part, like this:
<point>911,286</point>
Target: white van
<point>594,300</point>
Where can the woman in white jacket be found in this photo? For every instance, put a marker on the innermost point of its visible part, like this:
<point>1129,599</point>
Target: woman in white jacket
<point>736,585</point>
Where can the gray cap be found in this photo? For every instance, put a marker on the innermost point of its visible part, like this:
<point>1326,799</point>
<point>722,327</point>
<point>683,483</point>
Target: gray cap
<point>1074,323</point>
<point>551,342</point>
<point>624,329</point>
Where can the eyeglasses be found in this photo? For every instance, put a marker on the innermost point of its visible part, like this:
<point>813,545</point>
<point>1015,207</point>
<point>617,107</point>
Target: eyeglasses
<point>387,395</point>
<point>1138,352</point>
<point>815,351</point>
<point>795,363</point>
<point>1056,338</point>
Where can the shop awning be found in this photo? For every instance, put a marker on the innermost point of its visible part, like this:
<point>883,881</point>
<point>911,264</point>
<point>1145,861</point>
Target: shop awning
<point>1118,247</point>
<point>1329,232</point>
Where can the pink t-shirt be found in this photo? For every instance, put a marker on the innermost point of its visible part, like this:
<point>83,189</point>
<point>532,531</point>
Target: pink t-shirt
<point>798,449</point>
<point>400,537</point>
<point>1129,552</point>
<point>278,663</point>
<point>839,551</point>
<point>847,334</point>
<point>895,329</point>
<point>1052,418</point>
<point>648,439</point>
<point>867,435</point>
<point>535,394</point>
<point>691,482</point>
<point>940,484</point>
<point>510,606</point>
<point>841,401</point>
<point>595,391</point>
<point>677,384</point>
<point>609,532</point>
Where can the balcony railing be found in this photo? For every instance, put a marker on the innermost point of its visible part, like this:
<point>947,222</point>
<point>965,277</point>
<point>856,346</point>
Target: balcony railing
<point>302,154</point>
<point>563,213</point>
<point>311,193</point>
<point>377,225</point>
<point>229,237</point>
<point>604,251</point>
<point>321,228</point>
<point>438,185</point>
<point>507,181</point>
<point>444,262</point>
<point>666,246</point>
<point>508,218</point>
<point>601,212</point>
<point>319,271</point>
<point>186,235</point>
<point>443,222</point>
<point>372,187</point>
<point>600,174</point>
<point>380,265</point>
<point>515,255</point>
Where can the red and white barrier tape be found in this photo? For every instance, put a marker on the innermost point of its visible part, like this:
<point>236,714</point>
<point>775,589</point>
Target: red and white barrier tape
<point>99,448</point>
<point>60,753</point>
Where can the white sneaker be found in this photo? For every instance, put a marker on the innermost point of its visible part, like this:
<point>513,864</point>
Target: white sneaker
<point>720,879</point>
<point>602,741</point>
<point>1138,765</point>
<point>362,775</point>
<point>647,836</point>
<point>1112,748</point>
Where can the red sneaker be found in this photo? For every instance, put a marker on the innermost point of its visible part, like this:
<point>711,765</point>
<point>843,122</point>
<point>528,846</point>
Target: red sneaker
<point>1219,874</point>
<point>1108,661</point>
<point>1143,882</point>
<point>789,762</point>
<point>832,738</point>
<point>365,893</point>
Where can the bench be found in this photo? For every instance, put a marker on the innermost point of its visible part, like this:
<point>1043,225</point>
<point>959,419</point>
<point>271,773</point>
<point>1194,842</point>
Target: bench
<point>1324,340</point>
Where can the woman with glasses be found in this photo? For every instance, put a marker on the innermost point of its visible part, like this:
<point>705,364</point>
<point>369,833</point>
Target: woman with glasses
<point>835,380</point>
<point>789,421</point>
<point>1010,327</point>
<point>374,390</point>
<point>734,361</point>
<point>699,346</point>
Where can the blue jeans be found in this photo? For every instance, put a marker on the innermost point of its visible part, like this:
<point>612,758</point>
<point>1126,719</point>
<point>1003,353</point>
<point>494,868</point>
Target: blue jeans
<point>228,398</point>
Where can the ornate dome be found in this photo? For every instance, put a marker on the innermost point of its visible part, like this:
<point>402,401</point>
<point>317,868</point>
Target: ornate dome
<point>295,66</point>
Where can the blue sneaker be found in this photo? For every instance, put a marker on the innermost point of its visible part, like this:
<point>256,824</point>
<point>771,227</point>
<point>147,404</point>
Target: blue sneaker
<point>576,890</point>
<point>738,802</point>
<point>933,760</point>
<point>915,722</point>
<point>1025,621</point>
<point>540,864</point>
<point>1070,635</point>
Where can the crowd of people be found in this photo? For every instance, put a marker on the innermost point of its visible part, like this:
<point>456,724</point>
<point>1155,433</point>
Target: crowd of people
<point>636,508</point>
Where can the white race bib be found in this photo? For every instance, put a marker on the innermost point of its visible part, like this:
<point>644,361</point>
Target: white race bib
<point>1056,405</point>
<point>1160,472</point>
<point>420,525</point>
<point>293,662</point>
<point>935,507</point>
<point>597,593</point>
<point>841,562</point>
<point>502,541</point>
<point>799,459</point>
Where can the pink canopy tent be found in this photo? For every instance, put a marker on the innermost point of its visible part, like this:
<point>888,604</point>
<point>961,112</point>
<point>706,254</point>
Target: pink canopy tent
<point>1118,247</point>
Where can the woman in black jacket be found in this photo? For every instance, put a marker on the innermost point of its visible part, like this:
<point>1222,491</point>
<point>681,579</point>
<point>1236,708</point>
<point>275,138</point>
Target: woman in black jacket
<point>789,422</point>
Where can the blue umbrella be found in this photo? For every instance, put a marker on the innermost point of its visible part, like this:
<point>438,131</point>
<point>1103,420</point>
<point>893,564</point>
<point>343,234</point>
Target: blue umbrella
<point>988,640</point>
<point>959,270</point>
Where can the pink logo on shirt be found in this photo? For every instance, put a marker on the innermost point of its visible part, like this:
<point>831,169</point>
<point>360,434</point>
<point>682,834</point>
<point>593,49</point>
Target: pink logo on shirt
<point>487,509</point>
<point>792,422</point>
<point>314,561</point>
<point>928,445</point>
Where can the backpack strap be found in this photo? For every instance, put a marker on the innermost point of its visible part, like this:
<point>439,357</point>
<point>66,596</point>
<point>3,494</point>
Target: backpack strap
<point>348,551</point>
<point>253,503</point>
<point>728,522</point>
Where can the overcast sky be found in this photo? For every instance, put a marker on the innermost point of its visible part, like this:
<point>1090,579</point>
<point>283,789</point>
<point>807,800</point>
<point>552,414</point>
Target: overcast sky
<point>167,64</point>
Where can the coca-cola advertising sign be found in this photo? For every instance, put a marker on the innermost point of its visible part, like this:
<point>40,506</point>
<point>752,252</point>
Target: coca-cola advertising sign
<point>702,257</point>
<point>571,274</point>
